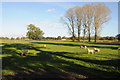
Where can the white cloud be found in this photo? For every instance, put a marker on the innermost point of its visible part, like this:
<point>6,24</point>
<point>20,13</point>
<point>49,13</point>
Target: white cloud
<point>51,10</point>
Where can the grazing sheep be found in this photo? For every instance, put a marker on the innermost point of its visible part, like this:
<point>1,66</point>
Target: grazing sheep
<point>119,48</point>
<point>90,51</point>
<point>81,46</point>
<point>24,52</point>
<point>85,47</point>
<point>97,50</point>
<point>44,45</point>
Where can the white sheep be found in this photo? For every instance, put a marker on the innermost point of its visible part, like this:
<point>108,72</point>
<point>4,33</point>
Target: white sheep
<point>118,48</point>
<point>97,50</point>
<point>81,46</point>
<point>90,51</point>
<point>85,47</point>
<point>44,45</point>
<point>24,52</point>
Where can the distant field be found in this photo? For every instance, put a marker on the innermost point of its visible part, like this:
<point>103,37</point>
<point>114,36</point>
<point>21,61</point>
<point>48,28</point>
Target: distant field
<point>63,59</point>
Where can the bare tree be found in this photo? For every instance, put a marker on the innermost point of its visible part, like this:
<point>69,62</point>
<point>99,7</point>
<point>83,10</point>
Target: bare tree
<point>78,19</point>
<point>84,22</point>
<point>84,28</point>
<point>101,15</point>
<point>88,18</point>
<point>68,20</point>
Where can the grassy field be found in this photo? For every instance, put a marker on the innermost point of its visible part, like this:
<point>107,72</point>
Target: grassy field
<point>60,59</point>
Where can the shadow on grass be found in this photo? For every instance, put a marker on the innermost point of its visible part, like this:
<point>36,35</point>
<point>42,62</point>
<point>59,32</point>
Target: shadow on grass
<point>103,43</point>
<point>7,48</point>
<point>77,45</point>
<point>18,46</point>
<point>114,63</point>
<point>41,66</point>
<point>46,64</point>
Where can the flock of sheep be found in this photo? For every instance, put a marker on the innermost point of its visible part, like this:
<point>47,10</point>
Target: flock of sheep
<point>91,50</point>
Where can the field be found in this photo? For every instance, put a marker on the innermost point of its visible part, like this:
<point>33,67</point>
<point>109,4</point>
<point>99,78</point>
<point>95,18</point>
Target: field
<point>60,59</point>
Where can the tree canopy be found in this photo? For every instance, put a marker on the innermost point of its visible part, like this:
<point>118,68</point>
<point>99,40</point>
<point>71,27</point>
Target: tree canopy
<point>34,32</point>
<point>118,37</point>
<point>87,19</point>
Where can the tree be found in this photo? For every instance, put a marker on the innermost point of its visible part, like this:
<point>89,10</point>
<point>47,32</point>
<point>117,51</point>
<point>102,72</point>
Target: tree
<point>59,38</point>
<point>78,19</point>
<point>68,20</point>
<point>17,38</point>
<point>111,38</point>
<point>34,32</point>
<point>118,37</point>
<point>23,38</point>
<point>84,26</point>
<point>102,38</point>
<point>107,38</point>
<point>63,37</point>
<point>88,18</point>
<point>12,38</point>
<point>101,15</point>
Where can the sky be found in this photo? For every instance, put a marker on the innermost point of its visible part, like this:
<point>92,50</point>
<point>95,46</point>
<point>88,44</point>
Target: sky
<point>46,15</point>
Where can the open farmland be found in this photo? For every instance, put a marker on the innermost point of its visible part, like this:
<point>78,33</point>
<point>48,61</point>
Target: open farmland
<point>60,59</point>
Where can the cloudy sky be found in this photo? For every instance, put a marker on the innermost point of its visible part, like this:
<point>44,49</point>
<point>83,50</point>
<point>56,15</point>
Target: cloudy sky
<point>46,15</point>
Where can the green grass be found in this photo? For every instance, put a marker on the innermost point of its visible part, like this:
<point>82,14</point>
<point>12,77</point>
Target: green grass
<point>60,56</point>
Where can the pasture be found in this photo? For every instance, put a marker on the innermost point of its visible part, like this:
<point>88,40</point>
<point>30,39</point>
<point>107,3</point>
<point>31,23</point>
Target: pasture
<point>59,59</point>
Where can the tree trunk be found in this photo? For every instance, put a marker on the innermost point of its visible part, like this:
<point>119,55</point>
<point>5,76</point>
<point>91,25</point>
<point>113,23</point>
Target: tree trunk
<point>89,38</point>
<point>88,34</point>
<point>95,38</point>
<point>83,39</point>
<point>73,33</point>
<point>95,35</point>
<point>73,39</point>
<point>73,36</point>
<point>83,35</point>
<point>78,34</point>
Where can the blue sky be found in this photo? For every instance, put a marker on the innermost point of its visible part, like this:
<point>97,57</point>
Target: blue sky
<point>46,15</point>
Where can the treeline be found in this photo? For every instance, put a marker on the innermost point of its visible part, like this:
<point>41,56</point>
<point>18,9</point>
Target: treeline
<point>98,38</point>
<point>61,38</point>
<point>12,38</point>
<point>42,38</point>
<point>86,20</point>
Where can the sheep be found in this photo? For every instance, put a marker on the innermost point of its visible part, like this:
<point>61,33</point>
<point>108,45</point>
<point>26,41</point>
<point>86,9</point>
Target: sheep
<point>97,50</point>
<point>90,51</point>
<point>81,46</point>
<point>24,52</point>
<point>44,45</point>
<point>118,48</point>
<point>85,47</point>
